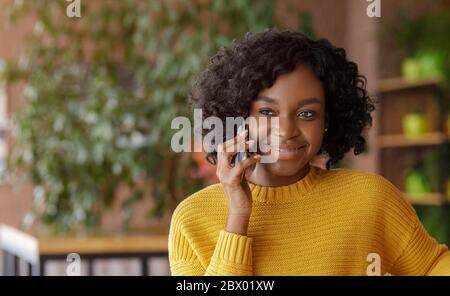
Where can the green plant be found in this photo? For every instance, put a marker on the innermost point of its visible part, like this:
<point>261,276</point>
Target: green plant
<point>424,38</point>
<point>415,124</point>
<point>427,31</point>
<point>431,218</point>
<point>416,183</point>
<point>306,25</point>
<point>431,168</point>
<point>410,69</point>
<point>100,95</point>
<point>425,171</point>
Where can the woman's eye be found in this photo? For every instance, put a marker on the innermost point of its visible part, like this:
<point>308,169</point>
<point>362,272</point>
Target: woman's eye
<point>307,114</point>
<point>266,112</point>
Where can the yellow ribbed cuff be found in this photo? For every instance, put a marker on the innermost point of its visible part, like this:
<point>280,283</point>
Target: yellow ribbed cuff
<point>234,248</point>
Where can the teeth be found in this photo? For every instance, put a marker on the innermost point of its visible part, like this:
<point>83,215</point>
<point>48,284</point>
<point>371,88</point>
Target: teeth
<point>289,150</point>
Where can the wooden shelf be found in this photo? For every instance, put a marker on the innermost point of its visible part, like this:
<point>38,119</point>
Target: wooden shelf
<point>430,199</point>
<point>399,140</point>
<point>400,84</point>
<point>399,96</point>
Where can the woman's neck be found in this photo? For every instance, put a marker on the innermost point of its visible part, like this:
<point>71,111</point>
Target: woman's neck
<point>261,176</point>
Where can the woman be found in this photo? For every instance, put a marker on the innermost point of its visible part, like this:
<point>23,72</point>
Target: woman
<point>289,217</point>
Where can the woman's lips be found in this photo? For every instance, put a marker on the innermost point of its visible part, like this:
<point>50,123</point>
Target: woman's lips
<point>285,153</point>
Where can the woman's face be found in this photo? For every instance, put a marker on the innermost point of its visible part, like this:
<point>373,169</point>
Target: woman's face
<point>298,100</point>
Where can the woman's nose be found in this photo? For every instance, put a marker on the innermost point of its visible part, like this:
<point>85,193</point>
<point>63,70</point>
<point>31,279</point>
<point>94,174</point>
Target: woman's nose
<point>286,129</point>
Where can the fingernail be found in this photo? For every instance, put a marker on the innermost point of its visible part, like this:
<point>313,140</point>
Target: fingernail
<point>250,142</point>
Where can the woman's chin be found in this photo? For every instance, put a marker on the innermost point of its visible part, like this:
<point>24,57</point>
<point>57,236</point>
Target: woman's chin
<point>285,168</point>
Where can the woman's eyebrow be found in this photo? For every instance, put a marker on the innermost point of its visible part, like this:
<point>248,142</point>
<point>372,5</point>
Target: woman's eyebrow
<point>309,101</point>
<point>267,99</point>
<point>301,104</point>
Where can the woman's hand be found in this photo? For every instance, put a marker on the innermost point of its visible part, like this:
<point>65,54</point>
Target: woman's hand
<point>232,178</point>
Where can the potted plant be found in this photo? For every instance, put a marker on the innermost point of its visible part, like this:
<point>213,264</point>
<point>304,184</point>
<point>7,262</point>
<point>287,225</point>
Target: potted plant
<point>411,69</point>
<point>425,64</point>
<point>416,182</point>
<point>425,41</point>
<point>415,124</point>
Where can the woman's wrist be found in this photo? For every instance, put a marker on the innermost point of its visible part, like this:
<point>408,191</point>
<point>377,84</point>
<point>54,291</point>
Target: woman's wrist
<point>238,223</point>
<point>238,204</point>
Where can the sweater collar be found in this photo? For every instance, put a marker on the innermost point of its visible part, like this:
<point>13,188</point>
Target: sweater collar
<point>286,193</point>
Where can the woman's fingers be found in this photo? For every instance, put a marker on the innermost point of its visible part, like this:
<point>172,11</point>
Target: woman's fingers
<point>228,145</point>
<point>244,164</point>
<point>231,147</point>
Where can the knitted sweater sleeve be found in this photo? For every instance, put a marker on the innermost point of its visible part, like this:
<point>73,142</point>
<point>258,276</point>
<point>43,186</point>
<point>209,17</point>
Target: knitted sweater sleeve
<point>232,254</point>
<point>420,254</point>
<point>423,255</point>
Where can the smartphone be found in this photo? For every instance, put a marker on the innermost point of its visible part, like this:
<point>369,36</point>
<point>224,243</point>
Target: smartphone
<point>242,154</point>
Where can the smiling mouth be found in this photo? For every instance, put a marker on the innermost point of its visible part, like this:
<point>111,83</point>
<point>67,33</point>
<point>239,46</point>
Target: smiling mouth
<point>287,150</point>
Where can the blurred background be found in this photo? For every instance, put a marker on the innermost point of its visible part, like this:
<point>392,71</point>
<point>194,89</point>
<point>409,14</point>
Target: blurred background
<point>88,93</point>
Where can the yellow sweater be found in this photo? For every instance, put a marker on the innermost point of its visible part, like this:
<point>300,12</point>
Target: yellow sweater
<point>336,222</point>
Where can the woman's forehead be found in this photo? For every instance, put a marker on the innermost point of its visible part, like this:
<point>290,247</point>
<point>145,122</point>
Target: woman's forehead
<point>295,87</point>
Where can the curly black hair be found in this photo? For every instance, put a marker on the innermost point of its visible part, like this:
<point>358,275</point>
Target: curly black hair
<point>237,73</point>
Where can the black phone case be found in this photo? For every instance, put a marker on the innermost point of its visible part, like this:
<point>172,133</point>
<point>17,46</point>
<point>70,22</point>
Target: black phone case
<point>242,155</point>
